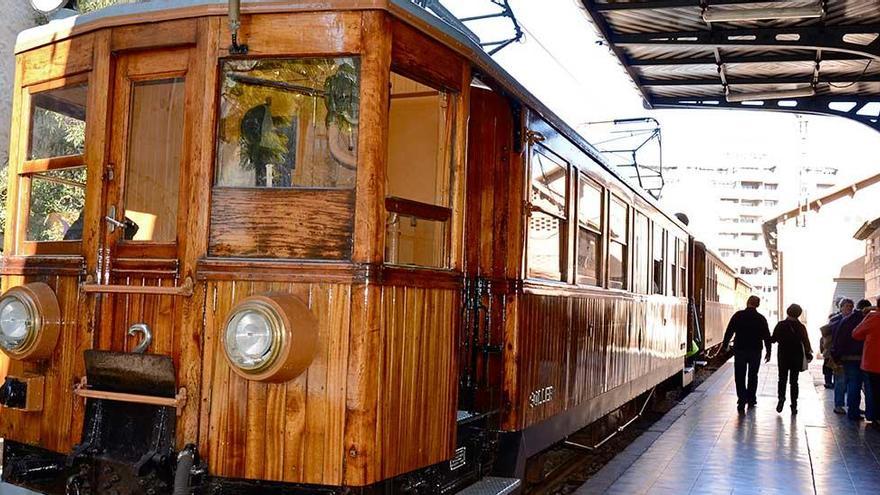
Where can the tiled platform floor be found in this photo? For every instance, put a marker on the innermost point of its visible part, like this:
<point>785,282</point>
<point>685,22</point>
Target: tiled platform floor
<point>704,446</point>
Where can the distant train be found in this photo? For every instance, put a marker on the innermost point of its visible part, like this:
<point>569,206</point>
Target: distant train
<point>351,256</point>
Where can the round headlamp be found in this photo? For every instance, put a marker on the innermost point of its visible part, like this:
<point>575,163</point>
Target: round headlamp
<point>29,321</point>
<point>270,337</point>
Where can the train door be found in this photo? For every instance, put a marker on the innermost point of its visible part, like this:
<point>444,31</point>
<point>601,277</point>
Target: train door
<point>141,294</point>
<point>487,265</point>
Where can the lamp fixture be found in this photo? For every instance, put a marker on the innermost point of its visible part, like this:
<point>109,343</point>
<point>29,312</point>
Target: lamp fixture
<point>771,95</point>
<point>715,14</point>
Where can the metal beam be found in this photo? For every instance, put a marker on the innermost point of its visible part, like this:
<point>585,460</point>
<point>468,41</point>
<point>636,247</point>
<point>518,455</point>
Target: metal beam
<point>665,4</point>
<point>761,80</point>
<point>801,38</point>
<point>817,105</point>
<point>806,56</point>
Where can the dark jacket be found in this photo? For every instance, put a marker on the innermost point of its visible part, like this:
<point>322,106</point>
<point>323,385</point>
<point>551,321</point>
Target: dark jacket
<point>750,328</point>
<point>843,346</point>
<point>791,335</point>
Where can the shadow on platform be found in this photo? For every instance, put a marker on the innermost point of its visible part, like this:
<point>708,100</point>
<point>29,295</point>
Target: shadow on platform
<point>704,446</point>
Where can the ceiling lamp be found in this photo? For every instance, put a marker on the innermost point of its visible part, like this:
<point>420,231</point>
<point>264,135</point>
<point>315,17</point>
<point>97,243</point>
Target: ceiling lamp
<point>715,14</point>
<point>771,95</point>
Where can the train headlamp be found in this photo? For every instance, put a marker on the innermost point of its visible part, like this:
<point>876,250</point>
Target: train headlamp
<point>29,321</point>
<point>270,337</point>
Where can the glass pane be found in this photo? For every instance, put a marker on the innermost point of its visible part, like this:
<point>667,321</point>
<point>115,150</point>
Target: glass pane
<point>670,257</point>
<point>152,174</point>
<point>56,205</point>
<point>616,265</point>
<point>658,259</point>
<point>58,122</point>
<point>548,183</point>
<point>641,256</point>
<point>590,204</point>
<point>588,257</point>
<point>415,241</point>
<point>682,267</point>
<point>544,246</point>
<point>419,142</point>
<point>289,123</point>
<point>617,220</point>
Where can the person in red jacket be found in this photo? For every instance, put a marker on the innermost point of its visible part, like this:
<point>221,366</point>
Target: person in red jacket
<point>869,332</point>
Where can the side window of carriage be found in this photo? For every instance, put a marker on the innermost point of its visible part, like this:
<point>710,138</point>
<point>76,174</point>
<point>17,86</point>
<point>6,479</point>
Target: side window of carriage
<point>548,215</point>
<point>284,180</point>
<point>589,240</point>
<point>659,256</point>
<point>54,171</point>
<point>418,180</point>
<point>618,249</point>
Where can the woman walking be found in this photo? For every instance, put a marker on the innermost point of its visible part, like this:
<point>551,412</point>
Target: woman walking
<point>793,354</point>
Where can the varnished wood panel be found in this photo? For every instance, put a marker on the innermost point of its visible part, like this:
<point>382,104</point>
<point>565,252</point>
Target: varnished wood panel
<point>290,431</point>
<point>584,345</point>
<point>310,33</point>
<point>60,59</point>
<point>716,316</point>
<point>161,34</point>
<point>423,59</point>
<point>282,223</point>
<point>419,385</point>
<point>59,425</point>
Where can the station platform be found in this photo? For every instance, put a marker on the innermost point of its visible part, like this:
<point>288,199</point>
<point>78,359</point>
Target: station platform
<point>705,446</point>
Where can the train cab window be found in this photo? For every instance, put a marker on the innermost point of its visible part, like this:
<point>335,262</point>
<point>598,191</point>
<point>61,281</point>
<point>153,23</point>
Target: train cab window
<point>548,207</point>
<point>641,254</point>
<point>419,174</point>
<point>618,223</point>
<point>287,151</point>
<point>155,145</point>
<point>54,173</point>
<point>589,239</point>
<point>659,254</point>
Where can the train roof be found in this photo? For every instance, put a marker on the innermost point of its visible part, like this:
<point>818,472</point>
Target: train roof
<point>405,10</point>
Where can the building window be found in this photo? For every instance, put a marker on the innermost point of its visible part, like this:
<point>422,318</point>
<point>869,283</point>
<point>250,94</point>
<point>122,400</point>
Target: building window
<point>548,201</point>
<point>419,174</point>
<point>751,185</point>
<point>54,174</point>
<point>771,187</point>
<point>618,223</point>
<point>589,241</point>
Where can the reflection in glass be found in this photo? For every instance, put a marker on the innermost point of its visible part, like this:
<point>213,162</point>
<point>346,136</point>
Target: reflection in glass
<point>616,265</point>
<point>548,184</point>
<point>617,219</point>
<point>155,143</point>
<point>544,246</point>
<point>56,205</point>
<point>288,123</point>
<point>658,259</point>
<point>588,257</point>
<point>590,205</point>
<point>58,122</point>
<point>415,241</point>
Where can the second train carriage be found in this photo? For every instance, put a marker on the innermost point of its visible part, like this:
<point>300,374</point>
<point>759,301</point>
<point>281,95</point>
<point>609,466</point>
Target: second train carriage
<point>355,256</point>
<point>717,294</point>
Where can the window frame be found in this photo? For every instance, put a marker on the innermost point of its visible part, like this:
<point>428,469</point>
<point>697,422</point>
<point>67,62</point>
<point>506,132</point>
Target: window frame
<point>564,219</point>
<point>29,168</point>
<point>581,224</point>
<point>623,240</point>
<point>420,210</point>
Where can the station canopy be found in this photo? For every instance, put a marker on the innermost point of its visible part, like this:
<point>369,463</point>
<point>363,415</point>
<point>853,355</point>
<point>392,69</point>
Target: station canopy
<point>808,56</point>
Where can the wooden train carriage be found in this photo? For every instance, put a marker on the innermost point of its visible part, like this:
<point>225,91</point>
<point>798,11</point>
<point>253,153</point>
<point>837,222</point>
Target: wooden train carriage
<point>353,253</point>
<point>718,293</point>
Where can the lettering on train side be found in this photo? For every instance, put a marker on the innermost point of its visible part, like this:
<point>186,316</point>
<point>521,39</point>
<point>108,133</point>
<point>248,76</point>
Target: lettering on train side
<point>540,396</point>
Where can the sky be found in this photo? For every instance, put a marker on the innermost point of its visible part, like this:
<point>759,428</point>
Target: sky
<point>564,62</point>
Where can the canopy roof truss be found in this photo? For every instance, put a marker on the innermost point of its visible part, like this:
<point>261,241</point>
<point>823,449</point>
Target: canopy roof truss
<point>678,55</point>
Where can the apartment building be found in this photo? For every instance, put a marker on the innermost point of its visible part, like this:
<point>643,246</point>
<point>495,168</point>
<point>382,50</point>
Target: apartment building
<point>728,201</point>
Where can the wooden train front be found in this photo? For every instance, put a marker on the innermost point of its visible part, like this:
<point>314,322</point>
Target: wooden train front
<point>269,266</point>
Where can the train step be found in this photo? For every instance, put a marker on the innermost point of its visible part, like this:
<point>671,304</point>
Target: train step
<point>492,485</point>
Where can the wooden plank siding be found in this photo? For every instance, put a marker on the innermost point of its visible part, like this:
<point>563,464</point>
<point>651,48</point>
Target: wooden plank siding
<point>584,345</point>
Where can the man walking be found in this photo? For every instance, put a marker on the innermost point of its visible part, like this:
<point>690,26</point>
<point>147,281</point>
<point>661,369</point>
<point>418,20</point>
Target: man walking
<point>751,331</point>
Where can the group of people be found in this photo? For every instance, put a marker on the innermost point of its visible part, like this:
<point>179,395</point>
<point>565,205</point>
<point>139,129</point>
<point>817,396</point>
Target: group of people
<point>850,346</point>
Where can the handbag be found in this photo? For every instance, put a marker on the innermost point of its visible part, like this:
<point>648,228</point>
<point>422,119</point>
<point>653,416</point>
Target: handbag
<point>805,363</point>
